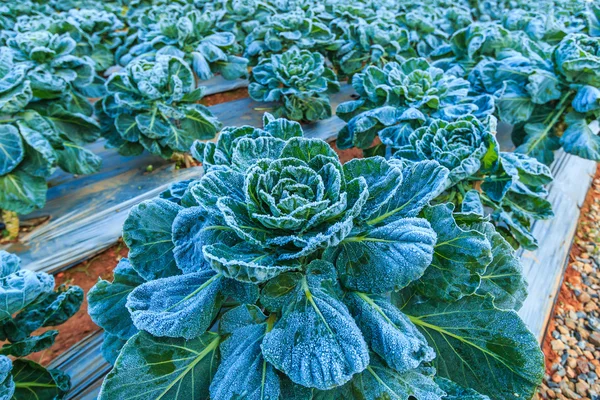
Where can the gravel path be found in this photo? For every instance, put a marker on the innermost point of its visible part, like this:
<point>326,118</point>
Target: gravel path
<point>572,343</point>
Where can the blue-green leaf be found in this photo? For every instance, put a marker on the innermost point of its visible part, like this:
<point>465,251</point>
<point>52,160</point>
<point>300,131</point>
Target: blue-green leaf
<point>147,233</point>
<point>177,306</point>
<point>150,368</point>
<point>316,343</point>
<point>106,301</point>
<point>385,258</point>
<point>479,346</point>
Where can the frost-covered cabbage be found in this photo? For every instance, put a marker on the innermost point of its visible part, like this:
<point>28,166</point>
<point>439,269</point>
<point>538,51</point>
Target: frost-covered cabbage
<point>28,303</point>
<point>189,34</point>
<point>280,32</point>
<point>509,185</point>
<point>281,273</point>
<point>37,135</point>
<point>152,105</point>
<point>396,99</point>
<point>298,81</point>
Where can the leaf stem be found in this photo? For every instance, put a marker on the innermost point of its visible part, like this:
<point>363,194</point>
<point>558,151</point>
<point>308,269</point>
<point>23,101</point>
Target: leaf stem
<point>553,119</point>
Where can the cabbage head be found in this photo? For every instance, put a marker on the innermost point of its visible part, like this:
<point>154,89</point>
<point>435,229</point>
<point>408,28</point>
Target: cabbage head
<point>298,81</point>
<point>288,274</point>
<point>152,105</point>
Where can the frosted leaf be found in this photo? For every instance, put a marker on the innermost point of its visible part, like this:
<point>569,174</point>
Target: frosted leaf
<point>385,258</point>
<point>316,342</point>
<point>149,368</point>
<point>178,306</point>
<point>147,233</point>
<point>503,277</point>
<point>193,229</point>
<point>379,381</point>
<point>243,372</point>
<point>382,179</point>
<point>7,385</point>
<point>9,263</point>
<point>388,332</point>
<point>245,262</point>
<point>107,301</point>
<point>456,392</point>
<point>422,182</point>
<point>460,257</point>
<point>477,345</point>
<point>22,288</point>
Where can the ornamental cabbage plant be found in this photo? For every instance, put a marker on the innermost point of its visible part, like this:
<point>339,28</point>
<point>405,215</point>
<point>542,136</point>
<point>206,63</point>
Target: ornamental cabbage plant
<point>280,32</point>
<point>152,105</point>
<point>281,273</point>
<point>509,185</point>
<point>551,100</point>
<point>369,43</point>
<point>52,67</point>
<point>38,135</point>
<point>189,34</point>
<point>396,99</point>
<point>29,302</point>
<point>298,82</point>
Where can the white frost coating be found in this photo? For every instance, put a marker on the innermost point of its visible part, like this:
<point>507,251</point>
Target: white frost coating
<point>243,372</point>
<point>22,288</point>
<point>389,333</point>
<point>179,306</point>
<point>385,258</point>
<point>316,343</point>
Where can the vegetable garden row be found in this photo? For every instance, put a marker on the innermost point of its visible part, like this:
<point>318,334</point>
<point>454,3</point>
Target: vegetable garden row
<point>260,266</point>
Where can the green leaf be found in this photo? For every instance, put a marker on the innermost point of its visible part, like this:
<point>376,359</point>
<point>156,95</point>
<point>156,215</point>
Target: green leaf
<point>9,263</point>
<point>383,181</point>
<point>79,128</point>
<point>29,345</point>
<point>22,288</point>
<point>385,258</point>
<point>147,233</point>
<point>379,381</point>
<point>316,342</point>
<point>243,372</point>
<point>40,158</point>
<point>177,306</point>
<point>246,263</point>
<point>12,150</point>
<point>150,368</point>
<point>21,192</point>
<point>543,87</point>
<point>479,346</point>
<point>422,182</point>
<point>388,332</point>
<point>460,257</point>
<point>456,392</point>
<point>579,139</point>
<point>55,309</point>
<point>503,277</point>
<point>78,160</point>
<point>7,385</point>
<point>30,377</point>
<point>106,301</point>
<point>16,99</point>
<point>540,143</point>
<point>514,105</point>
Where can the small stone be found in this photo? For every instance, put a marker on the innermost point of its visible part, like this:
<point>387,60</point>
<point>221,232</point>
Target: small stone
<point>590,306</point>
<point>581,388</point>
<point>556,377</point>
<point>583,367</point>
<point>594,339</point>
<point>557,345</point>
